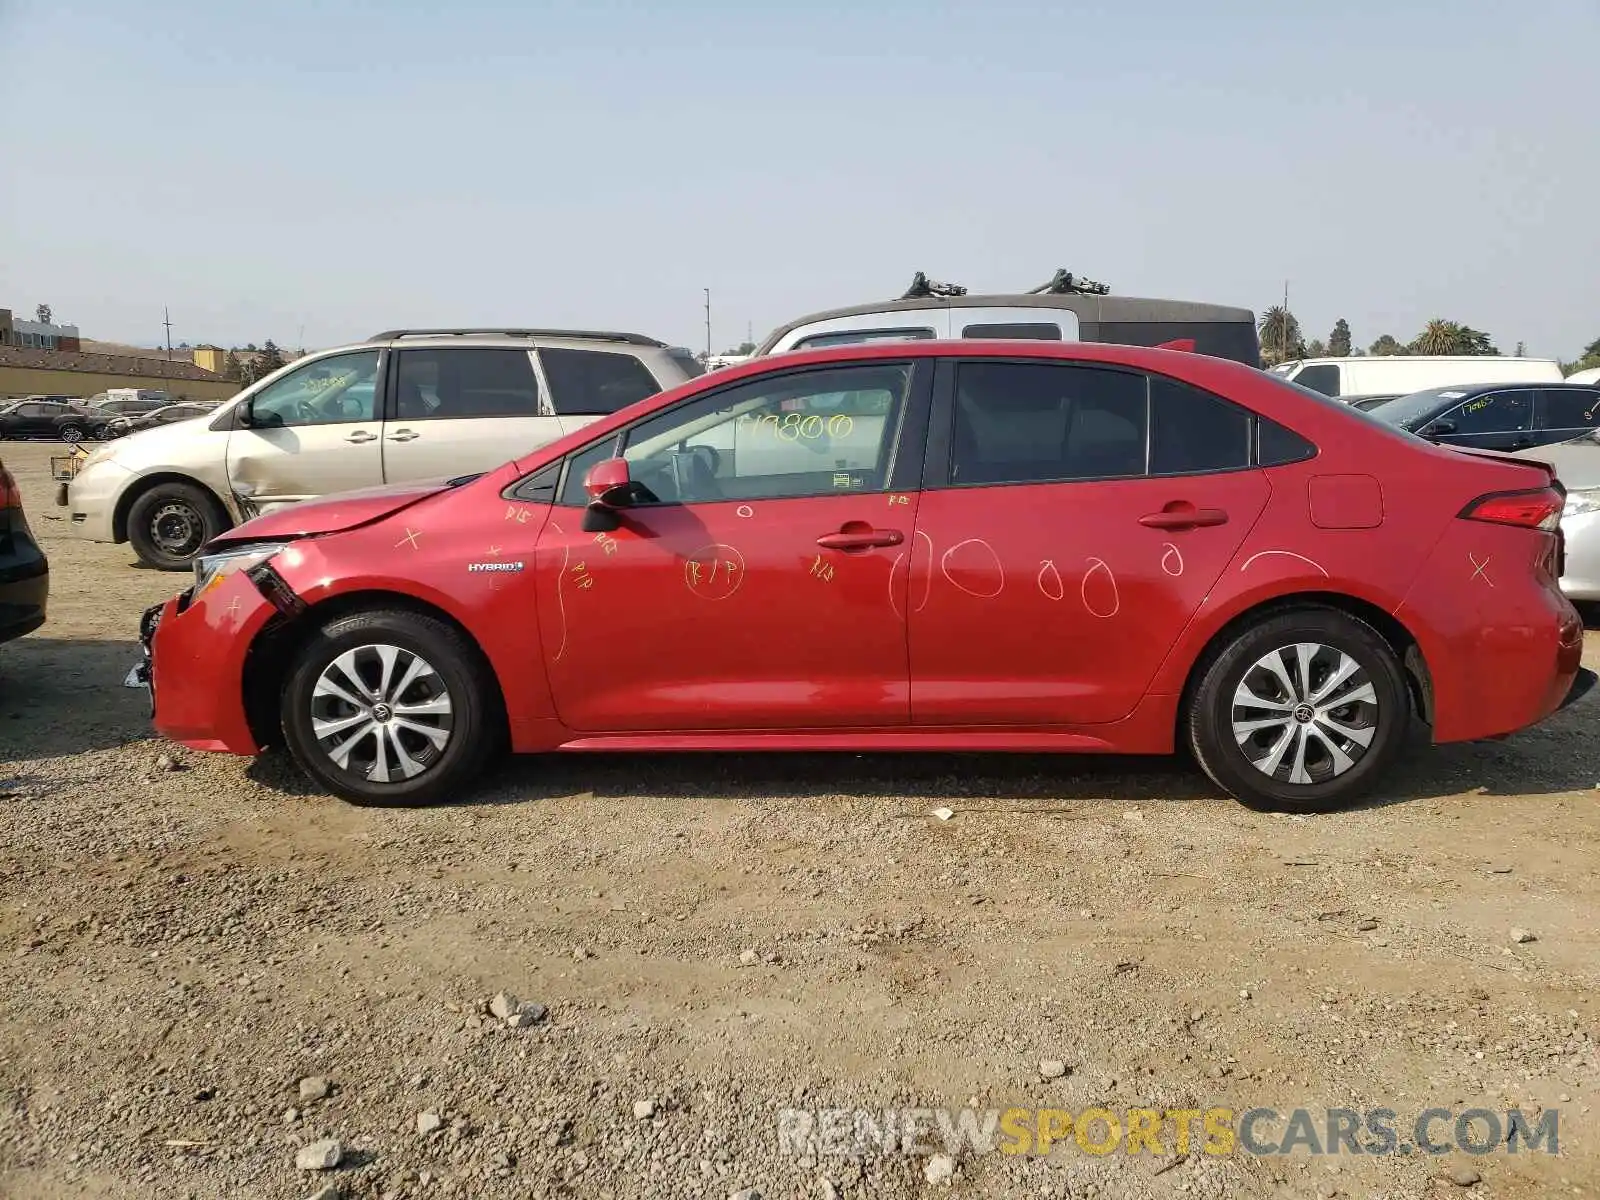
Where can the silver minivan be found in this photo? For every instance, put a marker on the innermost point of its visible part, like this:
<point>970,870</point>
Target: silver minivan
<point>405,405</point>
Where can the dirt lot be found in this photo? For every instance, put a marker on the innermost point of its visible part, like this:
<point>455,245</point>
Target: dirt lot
<point>727,937</point>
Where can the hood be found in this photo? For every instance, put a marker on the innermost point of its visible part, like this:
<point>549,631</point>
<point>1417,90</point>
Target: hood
<point>335,513</point>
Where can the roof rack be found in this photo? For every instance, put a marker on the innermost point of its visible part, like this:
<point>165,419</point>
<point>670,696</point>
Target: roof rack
<point>921,286</point>
<point>1064,282</point>
<point>589,335</point>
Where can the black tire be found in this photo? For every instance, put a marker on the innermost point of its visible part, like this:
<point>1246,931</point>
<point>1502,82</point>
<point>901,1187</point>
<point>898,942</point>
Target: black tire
<point>168,524</point>
<point>71,434</point>
<point>457,671</point>
<point>1321,729</point>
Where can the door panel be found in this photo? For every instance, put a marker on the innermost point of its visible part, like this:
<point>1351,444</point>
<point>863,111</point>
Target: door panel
<point>725,616</point>
<point>312,433</point>
<point>1053,603</point>
<point>414,450</point>
<point>1074,518</point>
<point>1500,420</point>
<point>757,581</point>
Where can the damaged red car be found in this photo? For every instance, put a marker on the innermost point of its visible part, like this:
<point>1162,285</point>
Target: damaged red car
<point>913,546</point>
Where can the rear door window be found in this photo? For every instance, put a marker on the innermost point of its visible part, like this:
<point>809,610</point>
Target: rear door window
<point>1027,331</point>
<point>1562,408</point>
<point>1193,432</point>
<point>453,384</point>
<point>595,382</point>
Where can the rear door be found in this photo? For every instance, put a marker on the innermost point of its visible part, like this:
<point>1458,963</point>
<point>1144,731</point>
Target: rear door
<point>586,384</point>
<point>311,433</point>
<point>460,410</point>
<point>1073,519</point>
<point>1561,414</point>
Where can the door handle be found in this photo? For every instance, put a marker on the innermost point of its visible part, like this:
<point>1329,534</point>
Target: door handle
<point>1184,518</point>
<point>361,435</point>
<point>403,435</point>
<point>860,539</point>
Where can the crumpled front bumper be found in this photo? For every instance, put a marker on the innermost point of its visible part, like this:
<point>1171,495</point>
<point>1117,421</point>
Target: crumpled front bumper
<point>195,648</point>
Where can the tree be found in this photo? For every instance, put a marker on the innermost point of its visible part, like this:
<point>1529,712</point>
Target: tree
<point>1316,349</point>
<point>271,357</point>
<point>232,368</point>
<point>1450,337</point>
<point>1339,339</point>
<point>1521,350</point>
<point>743,348</point>
<point>42,314</point>
<point>1280,335</point>
<point>1388,344</point>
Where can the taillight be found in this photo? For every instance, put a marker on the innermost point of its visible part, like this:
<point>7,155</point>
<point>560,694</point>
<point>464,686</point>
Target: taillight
<point>1537,509</point>
<point>10,497</point>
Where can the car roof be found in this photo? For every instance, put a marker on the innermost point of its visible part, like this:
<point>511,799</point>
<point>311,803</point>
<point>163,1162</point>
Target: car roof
<point>1087,308</point>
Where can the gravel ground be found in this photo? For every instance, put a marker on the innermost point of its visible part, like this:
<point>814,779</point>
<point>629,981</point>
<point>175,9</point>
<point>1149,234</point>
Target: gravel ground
<point>209,968</point>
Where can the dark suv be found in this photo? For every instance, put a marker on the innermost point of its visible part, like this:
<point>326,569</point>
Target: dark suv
<point>38,418</point>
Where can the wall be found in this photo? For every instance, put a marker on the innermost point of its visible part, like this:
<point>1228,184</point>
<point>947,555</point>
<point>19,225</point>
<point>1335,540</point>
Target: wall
<point>22,381</point>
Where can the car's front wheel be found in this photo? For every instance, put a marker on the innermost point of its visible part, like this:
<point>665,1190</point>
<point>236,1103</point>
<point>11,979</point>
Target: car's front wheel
<point>390,708</point>
<point>168,524</point>
<point>71,433</point>
<point>1300,712</point>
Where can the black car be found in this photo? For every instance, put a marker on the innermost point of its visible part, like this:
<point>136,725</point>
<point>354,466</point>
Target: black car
<point>37,418</point>
<point>1497,416</point>
<point>24,571</point>
<point>165,415</point>
<point>1368,403</point>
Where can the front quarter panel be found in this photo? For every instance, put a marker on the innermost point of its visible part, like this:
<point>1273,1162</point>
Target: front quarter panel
<point>468,553</point>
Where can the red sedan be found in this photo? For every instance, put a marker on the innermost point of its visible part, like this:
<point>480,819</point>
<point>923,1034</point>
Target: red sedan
<point>909,546</point>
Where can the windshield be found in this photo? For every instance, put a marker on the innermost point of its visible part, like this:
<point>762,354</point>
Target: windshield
<point>1407,412</point>
<point>1371,418</point>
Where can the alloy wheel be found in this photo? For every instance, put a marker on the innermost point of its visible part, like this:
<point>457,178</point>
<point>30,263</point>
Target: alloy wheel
<point>1305,713</point>
<point>381,713</point>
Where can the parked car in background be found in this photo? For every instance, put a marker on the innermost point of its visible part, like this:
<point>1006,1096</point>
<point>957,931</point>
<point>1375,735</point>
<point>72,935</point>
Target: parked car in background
<point>94,423</point>
<point>1402,374</point>
<point>1368,403</point>
<point>1067,308</point>
<point>165,415</point>
<point>1590,376</point>
<point>407,404</point>
<point>1496,416</point>
<point>150,398</point>
<point>998,545</point>
<point>36,419</point>
<point>24,570</point>
<point>1577,465</point>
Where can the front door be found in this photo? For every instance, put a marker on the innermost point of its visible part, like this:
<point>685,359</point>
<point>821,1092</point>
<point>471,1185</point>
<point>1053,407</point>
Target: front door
<point>1501,420</point>
<point>1072,531</point>
<point>312,433</point>
<point>757,580</point>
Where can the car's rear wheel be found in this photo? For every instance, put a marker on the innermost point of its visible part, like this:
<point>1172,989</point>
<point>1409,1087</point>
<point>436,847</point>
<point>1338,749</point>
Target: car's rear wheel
<point>71,433</point>
<point>1300,712</point>
<point>168,524</point>
<point>390,708</point>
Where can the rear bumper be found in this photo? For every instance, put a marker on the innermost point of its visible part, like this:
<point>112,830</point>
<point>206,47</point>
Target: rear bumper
<point>24,593</point>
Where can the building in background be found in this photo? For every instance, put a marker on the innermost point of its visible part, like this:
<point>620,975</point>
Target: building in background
<point>28,371</point>
<point>37,335</point>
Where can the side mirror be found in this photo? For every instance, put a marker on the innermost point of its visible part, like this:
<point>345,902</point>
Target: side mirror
<point>609,487</point>
<point>1441,428</point>
<point>242,416</point>
<point>608,483</point>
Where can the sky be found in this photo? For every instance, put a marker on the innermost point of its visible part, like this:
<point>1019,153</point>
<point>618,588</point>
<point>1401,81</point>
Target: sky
<point>314,172</point>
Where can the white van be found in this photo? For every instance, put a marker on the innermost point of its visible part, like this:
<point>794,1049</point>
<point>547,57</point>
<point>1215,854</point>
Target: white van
<point>1590,376</point>
<point>1402,374</point>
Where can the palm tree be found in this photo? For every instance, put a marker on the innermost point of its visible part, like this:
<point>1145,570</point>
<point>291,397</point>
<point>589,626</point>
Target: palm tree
<point>1280,334</point>
<point>1438,337</point>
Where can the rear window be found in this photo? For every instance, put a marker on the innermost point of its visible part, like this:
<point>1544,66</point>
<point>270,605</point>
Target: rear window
<point>693,368</point>
<point>595,382</point>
